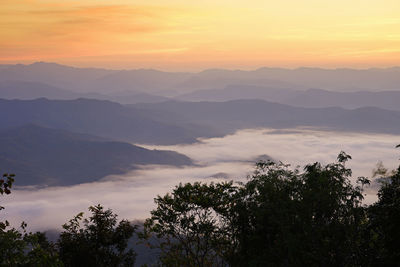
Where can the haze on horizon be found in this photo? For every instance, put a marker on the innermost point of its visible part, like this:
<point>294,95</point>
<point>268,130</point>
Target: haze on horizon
<point>194,35</point>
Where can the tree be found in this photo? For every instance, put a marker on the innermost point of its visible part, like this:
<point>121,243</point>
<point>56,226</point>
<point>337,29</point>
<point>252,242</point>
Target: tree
<point>293,218</point>
<point>384,219</point>
<point>279,217</point>
<point>100,242</point>
<point>193,225</point>
<point>22,248</point>
<point>5,186</point>
<point>6,183</point>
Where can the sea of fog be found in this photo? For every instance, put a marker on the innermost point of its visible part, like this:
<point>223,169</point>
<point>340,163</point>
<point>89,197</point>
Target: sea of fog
<point>228,158</point>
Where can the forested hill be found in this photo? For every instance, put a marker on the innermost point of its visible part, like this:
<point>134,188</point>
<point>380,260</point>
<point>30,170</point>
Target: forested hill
<point>43,156</point>
<point>175,122</point>
<point>97,117</point>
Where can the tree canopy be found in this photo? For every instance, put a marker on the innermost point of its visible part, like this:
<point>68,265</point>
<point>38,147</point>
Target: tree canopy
<point>99,242</point>
<point>280,216</point>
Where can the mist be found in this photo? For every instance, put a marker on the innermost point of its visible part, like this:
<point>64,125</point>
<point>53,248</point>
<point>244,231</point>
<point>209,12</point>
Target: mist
<point>217,159</point>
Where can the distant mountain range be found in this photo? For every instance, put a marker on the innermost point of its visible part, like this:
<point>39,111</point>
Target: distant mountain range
<point>62,125</point>
<point>174,122</point>
<point>102,118</point>
<point>44,156</point>
<point>311,98</point>
<point>315,98</point>
<point>90,80</point>
<point>347,88</point>
<point>240,114</point>
<point>32,90</point>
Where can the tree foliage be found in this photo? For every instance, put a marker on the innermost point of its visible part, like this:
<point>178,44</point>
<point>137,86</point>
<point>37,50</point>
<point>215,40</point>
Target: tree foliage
<point>19,247</point>
<point>194,225</point>
<point>294,218</point>
<point>384,216</point>
<point>97,240</point>
<point>6,183</point>
<point>279,217</point>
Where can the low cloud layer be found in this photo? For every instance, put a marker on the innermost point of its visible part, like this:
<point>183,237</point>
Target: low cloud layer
<point>228,158</point>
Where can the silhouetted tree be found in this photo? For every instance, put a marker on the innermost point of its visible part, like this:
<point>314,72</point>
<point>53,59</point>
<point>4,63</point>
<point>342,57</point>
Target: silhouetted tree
<point>280,217</point>
<point>293,218</point>
<point>6,183</point>
<point>99,242</point>
<point>384,218</point>
<point>19,247</point>
<point>193,225</point>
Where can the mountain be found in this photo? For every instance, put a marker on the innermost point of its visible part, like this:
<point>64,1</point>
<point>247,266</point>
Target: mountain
<point>92,80</point>
<point>70,78</point>
<point>44,156</point>
<point>240,114</point>
<point>32,90</point>
<point>321,98</point>
<point>134,98</point>
<point>299,79</point>
<point>343,79</point>
<point>85,80</point>
<point>220,78</point>
<point>101,118</point>
<point>301,98</point>
<point>175,122</point>
<point>237,92</point>
<point>140,80</point>
<point>312,98</point>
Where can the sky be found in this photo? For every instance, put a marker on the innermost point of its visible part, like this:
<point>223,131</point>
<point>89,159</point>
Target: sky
<point>231,157</point>
<point>194,35</point>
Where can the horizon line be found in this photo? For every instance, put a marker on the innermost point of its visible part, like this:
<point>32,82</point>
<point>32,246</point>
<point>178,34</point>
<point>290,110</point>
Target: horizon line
<point>203,70</point>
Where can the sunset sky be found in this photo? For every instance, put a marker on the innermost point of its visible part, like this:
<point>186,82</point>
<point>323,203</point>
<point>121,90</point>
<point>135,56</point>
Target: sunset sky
<point>199,34</point>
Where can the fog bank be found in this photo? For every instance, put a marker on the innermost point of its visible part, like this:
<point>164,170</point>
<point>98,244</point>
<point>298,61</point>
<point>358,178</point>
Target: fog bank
<point>229,158</point>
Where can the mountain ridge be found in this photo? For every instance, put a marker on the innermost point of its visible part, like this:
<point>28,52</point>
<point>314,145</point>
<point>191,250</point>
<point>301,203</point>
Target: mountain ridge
<point>170,83</point>
<point>53,157</point>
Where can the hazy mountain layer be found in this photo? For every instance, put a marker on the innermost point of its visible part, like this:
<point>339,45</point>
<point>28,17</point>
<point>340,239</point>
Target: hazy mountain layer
<point>32,90</point>
<point>239,114</point>
<point>306,98</point>
<point>175,83</point>
<point>44,156</point>
<point>315,98</point>
<point>183,122</point>
<point>101,118</point>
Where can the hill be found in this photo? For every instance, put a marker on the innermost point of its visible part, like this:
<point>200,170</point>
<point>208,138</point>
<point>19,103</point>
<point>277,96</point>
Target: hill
<point>44,156</point>
<point>101,118</point>
<point>31,90</point>
<point>311,98</point>
<point>175,122</point>
<point>239,114</point>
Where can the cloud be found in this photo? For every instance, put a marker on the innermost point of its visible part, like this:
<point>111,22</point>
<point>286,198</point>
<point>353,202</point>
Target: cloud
<point>48,30</point>
<point>228,158</point>
<point>99,20</point>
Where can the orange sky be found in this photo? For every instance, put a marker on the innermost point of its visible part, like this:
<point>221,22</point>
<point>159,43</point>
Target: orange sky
<point>193,34</point>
